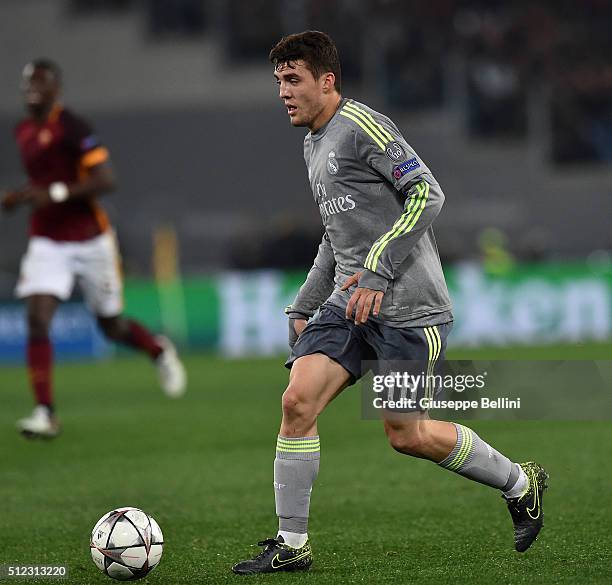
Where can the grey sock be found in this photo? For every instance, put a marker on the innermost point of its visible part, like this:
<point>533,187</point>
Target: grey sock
<point>295,468</point>
<point>477,460</point>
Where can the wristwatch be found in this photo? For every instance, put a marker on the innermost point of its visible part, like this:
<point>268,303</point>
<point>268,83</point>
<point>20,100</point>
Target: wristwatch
<point>58,192</point>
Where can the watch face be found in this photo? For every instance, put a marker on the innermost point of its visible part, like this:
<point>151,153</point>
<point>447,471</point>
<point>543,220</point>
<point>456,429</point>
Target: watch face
<point>58,192</point>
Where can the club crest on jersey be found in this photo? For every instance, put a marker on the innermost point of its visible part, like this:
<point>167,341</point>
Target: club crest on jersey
<point>332,163</point>
<point>404,168</point>
<point>395,151</point>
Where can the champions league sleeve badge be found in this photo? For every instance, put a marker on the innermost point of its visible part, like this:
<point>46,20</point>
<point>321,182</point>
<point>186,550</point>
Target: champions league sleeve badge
<point>395,151</point>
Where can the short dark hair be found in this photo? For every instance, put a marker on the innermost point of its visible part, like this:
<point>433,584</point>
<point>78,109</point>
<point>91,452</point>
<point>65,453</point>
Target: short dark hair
<point>315,48</point>
<point>47,65</point>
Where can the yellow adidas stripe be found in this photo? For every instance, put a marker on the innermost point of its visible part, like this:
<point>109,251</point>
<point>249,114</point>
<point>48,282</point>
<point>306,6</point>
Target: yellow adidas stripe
<point>435,345</point>
<point>369,121</point>
<point>386,135</point>
<point>365,128</point>
<point>430,352</point>
<point>431,343</point>
<point>383,239</point>
<point>406,226</point>
<point>416,213</point>
<point>399,222</point>
<point>438,344</point>
<point>435,328</point>
<point>424,196</point>
<point>398,225</point>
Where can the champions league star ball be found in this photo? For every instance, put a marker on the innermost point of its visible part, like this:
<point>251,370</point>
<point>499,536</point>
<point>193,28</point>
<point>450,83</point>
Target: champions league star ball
<point>126,544</point>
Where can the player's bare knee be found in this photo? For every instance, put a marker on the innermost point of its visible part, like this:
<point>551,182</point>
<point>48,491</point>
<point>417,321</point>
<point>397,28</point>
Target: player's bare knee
<point>296,405</point>
<point>406,440</point>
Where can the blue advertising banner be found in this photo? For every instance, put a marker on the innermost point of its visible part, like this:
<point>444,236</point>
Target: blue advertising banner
<point>74,333</point>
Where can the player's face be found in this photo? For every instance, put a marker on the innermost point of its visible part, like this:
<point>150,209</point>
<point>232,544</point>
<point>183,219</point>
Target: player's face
<point>302,94</point>
<point>40,89</point>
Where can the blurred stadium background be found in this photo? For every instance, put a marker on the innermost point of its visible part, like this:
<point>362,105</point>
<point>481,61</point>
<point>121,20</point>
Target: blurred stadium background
<point>510,103</point>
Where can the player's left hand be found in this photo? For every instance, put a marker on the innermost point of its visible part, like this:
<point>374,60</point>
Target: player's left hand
<point>11,200</point>
<point>362,300</point>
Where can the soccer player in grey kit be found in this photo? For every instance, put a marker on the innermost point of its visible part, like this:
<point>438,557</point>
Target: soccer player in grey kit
<point>376,291</point>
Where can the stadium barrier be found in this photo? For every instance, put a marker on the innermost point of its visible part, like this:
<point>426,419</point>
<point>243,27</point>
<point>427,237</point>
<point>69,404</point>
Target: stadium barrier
<point>74,333</point>
<point>241,313</point>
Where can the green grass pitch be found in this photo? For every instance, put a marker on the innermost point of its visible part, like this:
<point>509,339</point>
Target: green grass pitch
<point>202,466</point>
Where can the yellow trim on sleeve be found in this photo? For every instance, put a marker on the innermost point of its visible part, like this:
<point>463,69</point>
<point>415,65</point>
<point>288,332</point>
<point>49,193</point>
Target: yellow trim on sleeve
<point>386,136</point>
<point>364,128</point>
<point>95,157</point>
<point>402,226</point>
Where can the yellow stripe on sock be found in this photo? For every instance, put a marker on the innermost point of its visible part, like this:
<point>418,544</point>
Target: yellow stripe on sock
<point>464,451</point>
<point>300,446</point>
<point>451,465</point>
<point>469,448</point>
<point>314,446</point>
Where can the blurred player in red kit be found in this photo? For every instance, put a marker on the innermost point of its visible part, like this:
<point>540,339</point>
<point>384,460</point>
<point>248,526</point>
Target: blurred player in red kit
<point>70,239</point>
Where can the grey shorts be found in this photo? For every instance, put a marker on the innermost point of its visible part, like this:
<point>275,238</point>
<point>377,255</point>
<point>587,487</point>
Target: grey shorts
<point>370,346</point>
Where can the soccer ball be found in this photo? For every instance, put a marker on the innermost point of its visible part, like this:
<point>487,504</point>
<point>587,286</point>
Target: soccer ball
<point>126,544</point>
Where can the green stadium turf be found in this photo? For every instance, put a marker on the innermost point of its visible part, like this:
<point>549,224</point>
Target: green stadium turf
<point>202,466</point>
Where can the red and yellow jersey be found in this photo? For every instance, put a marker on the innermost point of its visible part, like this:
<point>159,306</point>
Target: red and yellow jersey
<point>63,148</point>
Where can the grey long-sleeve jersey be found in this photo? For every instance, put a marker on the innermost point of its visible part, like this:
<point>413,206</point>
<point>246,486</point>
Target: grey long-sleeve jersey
<point>377,200</point>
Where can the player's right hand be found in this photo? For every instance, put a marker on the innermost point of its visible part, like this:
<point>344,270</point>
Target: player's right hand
<point>296,326</point>
<point>11,200</point>
<point>299,325</point>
